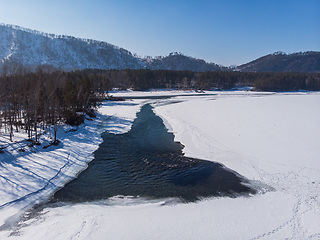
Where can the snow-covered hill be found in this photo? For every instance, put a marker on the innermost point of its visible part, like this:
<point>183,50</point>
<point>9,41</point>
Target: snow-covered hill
<point>25,49</point>
<point>20,46</point>
<point>179,62</point>
<point>282,62</point>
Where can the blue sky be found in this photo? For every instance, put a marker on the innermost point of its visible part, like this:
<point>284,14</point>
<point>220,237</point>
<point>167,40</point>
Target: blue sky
<point>225,32</point>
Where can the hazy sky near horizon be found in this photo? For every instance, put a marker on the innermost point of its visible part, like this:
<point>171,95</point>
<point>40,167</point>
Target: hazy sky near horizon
<point>224,32</point>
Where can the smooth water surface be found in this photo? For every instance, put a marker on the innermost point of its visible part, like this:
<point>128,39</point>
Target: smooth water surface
<point>146,162</point>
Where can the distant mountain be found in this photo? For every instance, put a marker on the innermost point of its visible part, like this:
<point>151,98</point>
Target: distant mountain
<point>24,49</point>
<point>282,62</point>
<point>20,46</point>
<point>178,61</point>
<point>27,49</point>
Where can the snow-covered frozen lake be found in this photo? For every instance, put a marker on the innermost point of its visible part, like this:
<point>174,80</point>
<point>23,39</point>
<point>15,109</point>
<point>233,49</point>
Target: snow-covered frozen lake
<point>270,138</point>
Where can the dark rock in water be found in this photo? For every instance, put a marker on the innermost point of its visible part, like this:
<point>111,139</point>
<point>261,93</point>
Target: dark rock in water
<point>146,162</point>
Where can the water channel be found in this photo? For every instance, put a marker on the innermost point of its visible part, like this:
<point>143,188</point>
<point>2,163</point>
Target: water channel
<point>146,162</point>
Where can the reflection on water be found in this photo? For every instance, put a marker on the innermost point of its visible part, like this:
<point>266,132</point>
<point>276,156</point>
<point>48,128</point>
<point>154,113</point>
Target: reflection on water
<point>146,162</point>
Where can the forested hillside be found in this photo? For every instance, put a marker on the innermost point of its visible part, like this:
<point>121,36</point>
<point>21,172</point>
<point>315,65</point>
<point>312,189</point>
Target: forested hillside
<point>180,62</point>
<point>24,50</point>
<point>282,62</point>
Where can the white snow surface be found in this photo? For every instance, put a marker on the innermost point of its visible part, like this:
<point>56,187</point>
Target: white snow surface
<point>269,138</point>
<point>31,49</point>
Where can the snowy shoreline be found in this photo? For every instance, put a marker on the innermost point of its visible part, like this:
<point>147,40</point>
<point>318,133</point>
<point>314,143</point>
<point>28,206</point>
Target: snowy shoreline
<point>268,137</point>
<point>35,175</point>
<point>30,177</point>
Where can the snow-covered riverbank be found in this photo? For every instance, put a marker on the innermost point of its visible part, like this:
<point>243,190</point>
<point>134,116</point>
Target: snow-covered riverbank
<point>270,138</point>
<point>30,176</point>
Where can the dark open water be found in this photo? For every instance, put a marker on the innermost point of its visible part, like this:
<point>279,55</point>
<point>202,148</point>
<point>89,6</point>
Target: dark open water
<point>146,162</point>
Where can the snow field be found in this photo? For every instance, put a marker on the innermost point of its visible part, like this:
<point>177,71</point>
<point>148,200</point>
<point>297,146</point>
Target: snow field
<point>271,139</point>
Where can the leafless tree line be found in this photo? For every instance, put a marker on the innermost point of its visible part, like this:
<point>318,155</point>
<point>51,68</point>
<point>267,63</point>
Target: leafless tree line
<point>34,101</point>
